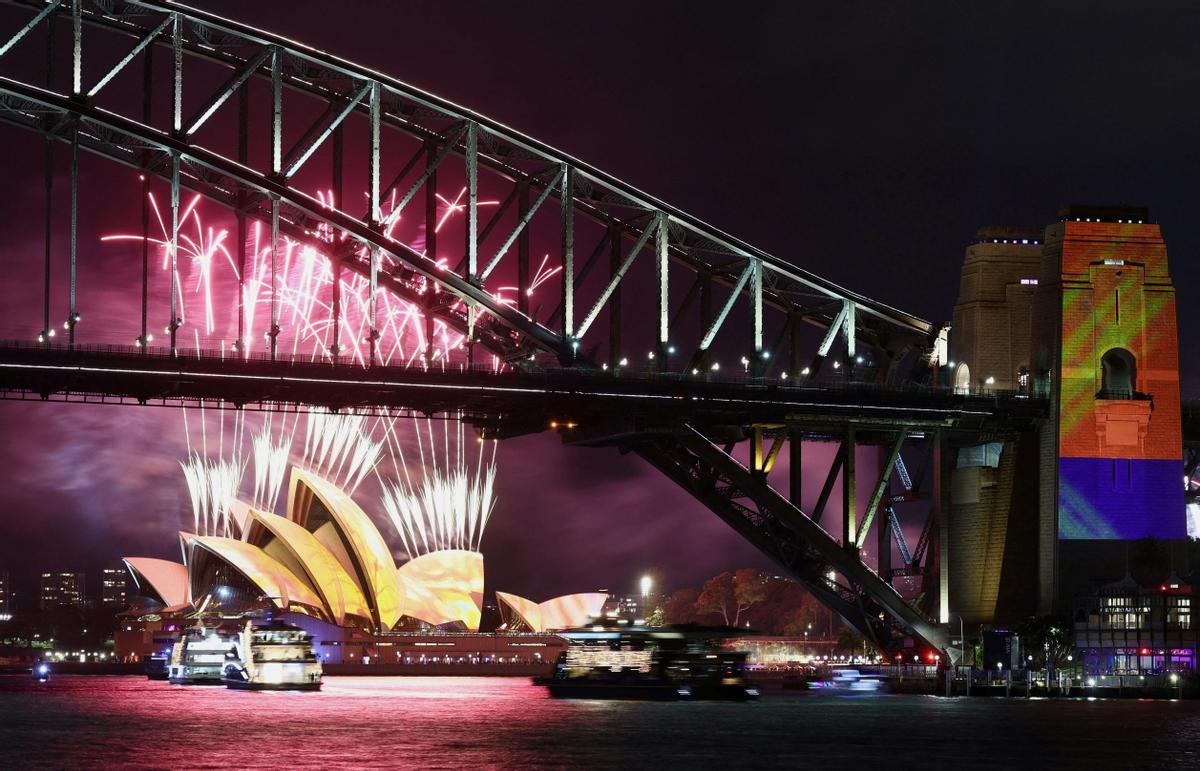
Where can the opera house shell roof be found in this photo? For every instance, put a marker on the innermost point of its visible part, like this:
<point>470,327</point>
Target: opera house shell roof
<point>325,559</point>
<point>565,612</point>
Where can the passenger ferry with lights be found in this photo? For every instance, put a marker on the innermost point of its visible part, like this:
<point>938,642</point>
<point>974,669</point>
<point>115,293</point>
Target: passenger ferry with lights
<point>672,663</point>
<point>273,657</point>
<point>198,658</point>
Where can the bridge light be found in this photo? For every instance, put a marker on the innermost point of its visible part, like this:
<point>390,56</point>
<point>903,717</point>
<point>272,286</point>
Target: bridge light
<point>670,349</point>
<point>149,338</point>
<point>805,371</point>
<point>858,360</point>
<point>745,360</point>
<point>41,337</point>
<point>695,371</point>
<point>766,354</point>
<point>137,341</point>
<point>837,365</point>
<point>716,365</point>
<point>783,376</point>
<point>604,366</point>
<point>623,362</point>
<point>651,356</point>
<point>951,364</point>
<point>52,333</point>
<point>990,380</point>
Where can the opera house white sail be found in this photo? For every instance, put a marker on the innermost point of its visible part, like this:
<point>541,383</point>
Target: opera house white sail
<point>325,559</point>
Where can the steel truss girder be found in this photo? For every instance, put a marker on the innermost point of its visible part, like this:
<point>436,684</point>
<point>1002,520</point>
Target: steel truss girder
<point>103,130</point>
<point>692,242</point>
<point>782,531</point>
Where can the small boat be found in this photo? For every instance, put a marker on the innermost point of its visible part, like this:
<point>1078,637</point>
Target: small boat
<point>198,658</point>
<point>40,672</point>
<point>273,657</point>
<point>156,667</point>
<point>652,663</point>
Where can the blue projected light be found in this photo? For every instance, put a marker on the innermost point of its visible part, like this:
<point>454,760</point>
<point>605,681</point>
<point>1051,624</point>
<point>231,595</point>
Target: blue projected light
<point>1120,498</point>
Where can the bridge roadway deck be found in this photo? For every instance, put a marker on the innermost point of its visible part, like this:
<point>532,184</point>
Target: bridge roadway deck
<point>505,403</point>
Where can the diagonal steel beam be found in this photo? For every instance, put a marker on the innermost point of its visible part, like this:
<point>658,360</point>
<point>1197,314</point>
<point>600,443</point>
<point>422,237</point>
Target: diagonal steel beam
<point>29,26</point>
<point>881,486</point>
<point>616,279</point>
<point>830,479</point>
<point>512,237</point>
<point>712,331</point>
<point>227,89</point>
<point>325,132</point>
<point>125,60</point>
<point>430,169</point>
<point>846,564</point>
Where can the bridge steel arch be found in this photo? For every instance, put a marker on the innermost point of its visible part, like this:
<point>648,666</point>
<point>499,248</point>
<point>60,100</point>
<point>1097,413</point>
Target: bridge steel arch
<point>697,454</point>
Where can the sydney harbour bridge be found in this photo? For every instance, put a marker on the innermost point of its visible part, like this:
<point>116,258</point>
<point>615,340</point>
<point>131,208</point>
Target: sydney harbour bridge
<point>662,336</point>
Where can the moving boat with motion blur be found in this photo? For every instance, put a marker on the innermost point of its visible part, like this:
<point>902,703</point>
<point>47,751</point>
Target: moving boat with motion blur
<point>670,663</point>
<point>272,657</point>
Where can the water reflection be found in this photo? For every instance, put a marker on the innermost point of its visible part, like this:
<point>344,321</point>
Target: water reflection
<point>456,722</point>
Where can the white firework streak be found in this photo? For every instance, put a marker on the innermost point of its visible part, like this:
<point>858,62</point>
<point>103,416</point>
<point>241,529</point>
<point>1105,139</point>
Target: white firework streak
<point>450,506</point>
<point>270,455</point>
<point>338,447</point>
<point>213,486</point>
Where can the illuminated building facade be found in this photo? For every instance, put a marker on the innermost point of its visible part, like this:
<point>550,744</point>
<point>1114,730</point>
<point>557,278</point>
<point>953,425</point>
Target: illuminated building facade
<point>565,612</point>
<point>115,587</point>
<point>59,590</point>
<point>326,566</point>
<point>1127,629</point>
<point>5,593</point>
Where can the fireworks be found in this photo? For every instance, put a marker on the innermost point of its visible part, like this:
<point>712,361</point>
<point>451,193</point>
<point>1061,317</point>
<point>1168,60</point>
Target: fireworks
<point>450,506</point>
<point>298,282</point>
<point>270,455</point>
<point>213,486</point>
<point>337,447</point>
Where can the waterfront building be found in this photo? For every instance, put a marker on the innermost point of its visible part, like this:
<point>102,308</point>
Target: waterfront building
<point>326,567</point>
<point>1127,629</point>
<point>114,587</point>
<point>62,589</point>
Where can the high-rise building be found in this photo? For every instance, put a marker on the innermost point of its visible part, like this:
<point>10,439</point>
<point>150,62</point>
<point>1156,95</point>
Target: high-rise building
<point>114,587</point>
<point>63,590</point>
<point>5,593</point>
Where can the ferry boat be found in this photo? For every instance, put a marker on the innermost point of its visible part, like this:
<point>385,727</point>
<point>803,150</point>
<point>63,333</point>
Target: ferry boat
<point>198,658</point>
<point>273,657</point>
<point>672,663</point>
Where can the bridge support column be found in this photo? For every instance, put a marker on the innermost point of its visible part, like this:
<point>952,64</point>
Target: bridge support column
<point>883,529</point>
<point>940,546</point>
<point>795,467</point>
<point>849,531</point>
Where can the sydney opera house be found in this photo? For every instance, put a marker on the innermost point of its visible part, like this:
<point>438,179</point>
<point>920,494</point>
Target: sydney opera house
<point>325,566</point>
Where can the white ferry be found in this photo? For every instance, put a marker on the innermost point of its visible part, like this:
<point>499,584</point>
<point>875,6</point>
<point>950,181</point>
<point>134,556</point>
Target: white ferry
<point>274,657</point>
<point>199,657</point>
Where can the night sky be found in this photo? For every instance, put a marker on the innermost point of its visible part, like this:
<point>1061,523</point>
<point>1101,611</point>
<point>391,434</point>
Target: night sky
<point>862,141</point>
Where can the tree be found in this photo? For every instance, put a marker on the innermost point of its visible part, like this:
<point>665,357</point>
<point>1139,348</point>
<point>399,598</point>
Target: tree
<point>1049,639</point>
<point>657,617</point>
<point>680,607</point>
<point>749,588</point>
<point>716,597</point>
<point>729,595</point>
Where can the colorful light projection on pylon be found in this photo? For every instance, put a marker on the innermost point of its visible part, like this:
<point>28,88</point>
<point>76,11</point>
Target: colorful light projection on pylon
<point>1119,438</point>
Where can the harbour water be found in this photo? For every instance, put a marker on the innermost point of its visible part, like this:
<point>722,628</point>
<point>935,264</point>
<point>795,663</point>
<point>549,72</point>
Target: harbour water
<point>357,722</point>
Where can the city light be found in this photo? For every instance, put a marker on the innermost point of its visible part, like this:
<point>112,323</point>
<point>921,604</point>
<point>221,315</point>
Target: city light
<point>646,584</point>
